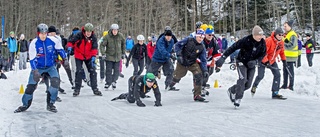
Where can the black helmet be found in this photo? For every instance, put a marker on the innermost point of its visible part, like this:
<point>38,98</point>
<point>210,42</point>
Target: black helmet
<point>42,28</point>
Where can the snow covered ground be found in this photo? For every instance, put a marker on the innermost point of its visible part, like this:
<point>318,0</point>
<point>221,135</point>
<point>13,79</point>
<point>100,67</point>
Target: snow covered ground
<point>90,116</point>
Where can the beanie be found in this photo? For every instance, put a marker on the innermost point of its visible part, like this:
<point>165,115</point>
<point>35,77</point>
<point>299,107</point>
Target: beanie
<point>257,30</point>
<point>308,35</point>
<point>278,31</point>
<point>290,23</point>
<point>11,32</point>
<point>52,29</point>
<point>168,33</point>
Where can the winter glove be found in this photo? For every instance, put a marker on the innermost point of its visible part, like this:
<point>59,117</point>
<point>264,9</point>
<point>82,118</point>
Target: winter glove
<point>252,63</point>
<point>66,63</point>
<point>127,63</point>
<point>286,41</point>
<point>284,62</point>
<point>205,74</point>
<point>140,104</point>
<point>220,61</point>
<point>93,62</point>
<point>70,51</point>
<point>123,56</point>
<point>217,69</point>
<point>36,75</point>
<point>266,64</point>
<point>157,104</point>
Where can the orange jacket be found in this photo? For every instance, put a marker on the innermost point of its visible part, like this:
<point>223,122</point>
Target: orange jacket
<point>274,48</point>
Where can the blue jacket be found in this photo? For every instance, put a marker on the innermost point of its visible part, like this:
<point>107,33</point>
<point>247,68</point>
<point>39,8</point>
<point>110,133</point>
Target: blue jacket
<point>42,54</point>
<point>129,44</point>
<point>163,50</point>
<point>224,44</point>
<point>12,44</point>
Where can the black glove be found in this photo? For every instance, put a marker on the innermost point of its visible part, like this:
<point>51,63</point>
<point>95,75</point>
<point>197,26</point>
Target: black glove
<point>140,104</point>
<point>123,56</point>
<point>205,74</point>
<point>217,69</point>
<point>157,104</point>
<point>173,57</point>
<point>66,64</point>
<point>127,63</point>
<point>220,61</point>
<point>252,63</point>
<point>266,64</point>
<point>36,75</point>
<point>284,62</point>
<point>286,41</point>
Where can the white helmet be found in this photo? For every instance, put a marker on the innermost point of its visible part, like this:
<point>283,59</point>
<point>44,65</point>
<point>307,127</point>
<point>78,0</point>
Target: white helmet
<point>232,37</point>
<point>140,37</point>
<point>114,26</point>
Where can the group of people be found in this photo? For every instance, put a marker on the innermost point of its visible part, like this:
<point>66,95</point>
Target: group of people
<point>198,53</point>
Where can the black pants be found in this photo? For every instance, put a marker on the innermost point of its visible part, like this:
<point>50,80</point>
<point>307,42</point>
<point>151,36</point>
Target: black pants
<point>276,76</point>
<point>148,62</point>
<point>112,72</point>
<point>298,63</point>
<point>309,59</point>
<point>102,64</point>
<point>68,70</point>
<point>167,68</point>
<point>12,60</point>
<point>80,72</point>
<point>286,75</point>
<point>205,80</point>
<point>138,66</point>
<point>245,80</point>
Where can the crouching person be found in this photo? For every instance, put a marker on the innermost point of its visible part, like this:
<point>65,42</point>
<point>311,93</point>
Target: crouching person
<point>139,86</point>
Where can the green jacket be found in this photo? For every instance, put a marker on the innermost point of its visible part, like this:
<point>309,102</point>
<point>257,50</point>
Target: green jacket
<point>5,51</point>
<point>113,47</point>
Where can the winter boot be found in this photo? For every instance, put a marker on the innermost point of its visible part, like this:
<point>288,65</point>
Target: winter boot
<point>106,86</point>
<point>76,93</point>
<point>253,90</point>
<point>20,109</point>
<point>231,95</point>
<point>62,91</point>
<point>52,108</point>
<point>276,95</point>
<point>198,98</point>
<point>237,102</point>
<point>113,85</point>
<point>97,92</point>
<point>58,99</point>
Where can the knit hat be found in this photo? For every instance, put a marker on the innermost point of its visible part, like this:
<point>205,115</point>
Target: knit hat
<point>150,77</point>
<point>257,30</point>
<point>290,23</point>
<point>11,32</point>
<point>278,31</point>
<point>209,30</point>
<point>168,33</point>
<point>200,33</point>
<point>52,29</point>
<point>308,35</point>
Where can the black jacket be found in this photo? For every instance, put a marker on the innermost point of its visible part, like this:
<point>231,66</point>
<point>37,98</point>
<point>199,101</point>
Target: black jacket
<point>140,89</point>
<point>23,45</point>
<point>250,49</point>
<point>138,51</point>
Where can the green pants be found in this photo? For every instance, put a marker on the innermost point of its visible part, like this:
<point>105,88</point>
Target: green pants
<point>181,71</point>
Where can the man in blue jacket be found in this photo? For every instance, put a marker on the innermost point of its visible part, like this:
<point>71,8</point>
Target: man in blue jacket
<point>12,45</point>
<point>161,57</point>
<point>42,52</point>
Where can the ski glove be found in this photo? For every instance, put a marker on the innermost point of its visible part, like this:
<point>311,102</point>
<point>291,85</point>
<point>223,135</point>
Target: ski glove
<point>140,104</point>
<point>217,69</point>
<point>66,64</point>
<point>93,62</point>
<point>36,75</point>
<point>252,63</point>
<point>286,41</point>
<point>205,74</point>
<point>157,104</point>
<point>220,61</point>
<point>284,62</point>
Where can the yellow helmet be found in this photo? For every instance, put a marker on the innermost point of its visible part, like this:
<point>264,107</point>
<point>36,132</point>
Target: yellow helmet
<point>204,26</point>
<point>105,33</point>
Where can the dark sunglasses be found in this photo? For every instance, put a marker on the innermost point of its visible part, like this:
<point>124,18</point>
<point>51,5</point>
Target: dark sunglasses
<point>210,34</point>
<point>280,34</point>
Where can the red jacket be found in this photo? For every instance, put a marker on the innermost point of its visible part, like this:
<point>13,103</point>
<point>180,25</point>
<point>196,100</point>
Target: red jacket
<point>84,47</point>
<point>274,48</point>
<point>150,49</point>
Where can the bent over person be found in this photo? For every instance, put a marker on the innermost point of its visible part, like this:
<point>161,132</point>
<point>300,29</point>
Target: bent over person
<point>139,86</point>
<point>42,60</point>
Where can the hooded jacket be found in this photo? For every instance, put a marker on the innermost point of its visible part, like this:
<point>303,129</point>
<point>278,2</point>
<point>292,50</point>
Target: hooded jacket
<point>113,46</point>
<point>274,48</point>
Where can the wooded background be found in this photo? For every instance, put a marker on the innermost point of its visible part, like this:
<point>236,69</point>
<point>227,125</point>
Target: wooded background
<point>151,16</point>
